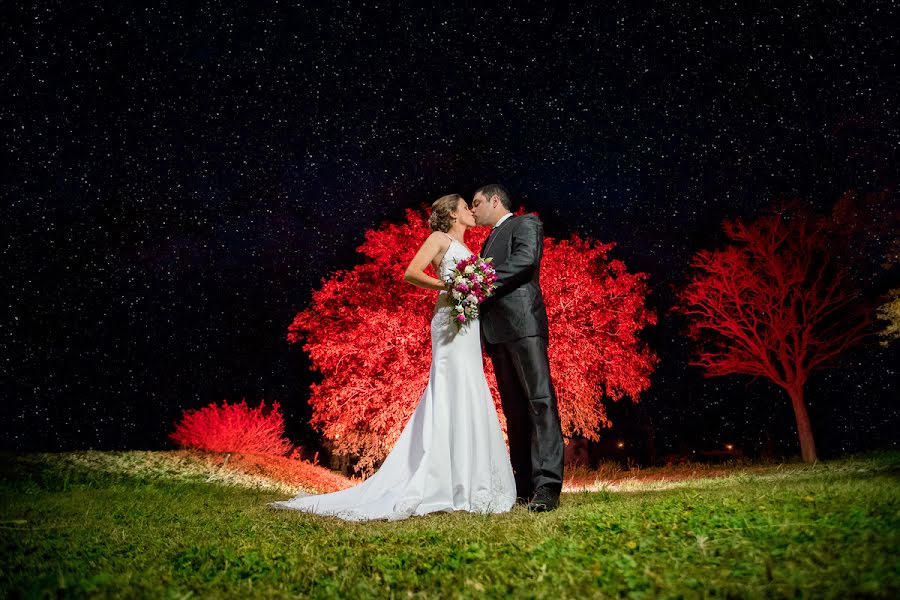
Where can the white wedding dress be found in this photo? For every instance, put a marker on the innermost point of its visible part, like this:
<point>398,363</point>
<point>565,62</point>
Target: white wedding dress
<point>451,454</point>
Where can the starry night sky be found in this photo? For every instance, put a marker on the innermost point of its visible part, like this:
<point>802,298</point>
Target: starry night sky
<point>176,182</point>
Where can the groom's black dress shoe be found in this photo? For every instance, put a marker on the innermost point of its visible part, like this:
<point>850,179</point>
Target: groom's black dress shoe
<point>520,501</point>
<point>544,501</point>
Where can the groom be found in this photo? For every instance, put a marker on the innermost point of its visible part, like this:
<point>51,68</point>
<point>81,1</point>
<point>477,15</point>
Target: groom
<point>514,333</point>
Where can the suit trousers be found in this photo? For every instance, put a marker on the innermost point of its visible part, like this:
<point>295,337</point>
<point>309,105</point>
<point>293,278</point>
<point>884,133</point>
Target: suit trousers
<point>532,417</point>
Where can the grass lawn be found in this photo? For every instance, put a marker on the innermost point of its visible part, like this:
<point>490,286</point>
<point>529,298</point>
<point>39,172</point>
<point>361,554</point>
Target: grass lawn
<point>829,530</point>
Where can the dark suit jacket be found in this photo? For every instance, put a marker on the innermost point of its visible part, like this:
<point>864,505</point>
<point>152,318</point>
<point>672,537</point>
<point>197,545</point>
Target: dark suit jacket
<point>516,308</point>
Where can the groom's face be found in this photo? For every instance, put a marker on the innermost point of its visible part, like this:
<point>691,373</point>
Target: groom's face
<point>482,209</point>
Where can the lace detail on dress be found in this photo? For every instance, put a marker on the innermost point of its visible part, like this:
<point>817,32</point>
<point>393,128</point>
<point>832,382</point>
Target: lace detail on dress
<point>498,499</point>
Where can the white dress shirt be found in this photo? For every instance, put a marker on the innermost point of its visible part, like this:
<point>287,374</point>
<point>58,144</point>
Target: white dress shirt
<point>502,219</point>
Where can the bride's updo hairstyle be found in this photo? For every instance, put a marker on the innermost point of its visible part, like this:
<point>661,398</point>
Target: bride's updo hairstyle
<point>441,219</point>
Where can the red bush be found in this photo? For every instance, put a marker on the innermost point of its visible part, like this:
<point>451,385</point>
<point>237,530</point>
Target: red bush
<point>233,428</point>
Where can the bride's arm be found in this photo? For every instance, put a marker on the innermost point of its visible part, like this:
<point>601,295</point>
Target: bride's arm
<point>415,272</point>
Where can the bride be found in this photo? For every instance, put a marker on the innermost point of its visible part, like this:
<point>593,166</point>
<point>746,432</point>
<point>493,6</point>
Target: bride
<point>451,454</point>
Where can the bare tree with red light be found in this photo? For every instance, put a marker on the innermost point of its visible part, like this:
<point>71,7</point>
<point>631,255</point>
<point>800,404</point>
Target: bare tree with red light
<point>774,303</point>
<point>367,332</point>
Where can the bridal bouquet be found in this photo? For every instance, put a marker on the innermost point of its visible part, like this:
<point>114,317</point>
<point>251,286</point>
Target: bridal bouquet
<point>473,280</point>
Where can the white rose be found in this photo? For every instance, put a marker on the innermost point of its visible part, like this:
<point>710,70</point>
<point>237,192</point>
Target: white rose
<point>470,269</point>
<point>472,299</point>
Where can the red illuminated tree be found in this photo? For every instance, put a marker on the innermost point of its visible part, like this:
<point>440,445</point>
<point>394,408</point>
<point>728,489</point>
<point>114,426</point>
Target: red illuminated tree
<point>776,304</point>
<point>367,333</point>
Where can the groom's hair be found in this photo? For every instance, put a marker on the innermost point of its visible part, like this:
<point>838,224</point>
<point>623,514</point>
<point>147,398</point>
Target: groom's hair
<point>495,189</point>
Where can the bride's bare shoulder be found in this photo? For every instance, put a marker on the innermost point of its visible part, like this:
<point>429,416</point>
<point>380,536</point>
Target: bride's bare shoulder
<point>438,238</point>
<point>435,245</point>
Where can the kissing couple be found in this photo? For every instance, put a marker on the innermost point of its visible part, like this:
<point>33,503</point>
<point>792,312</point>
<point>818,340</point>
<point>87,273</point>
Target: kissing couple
<point>451,455</point>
